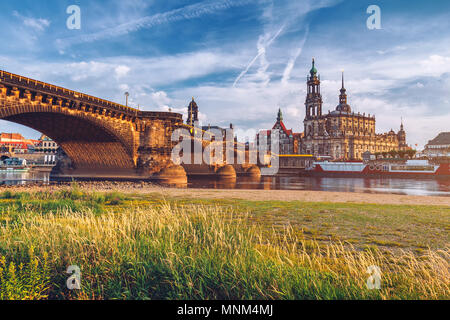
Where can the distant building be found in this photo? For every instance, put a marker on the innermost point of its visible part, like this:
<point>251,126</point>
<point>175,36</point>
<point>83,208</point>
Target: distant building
<point>342,134</point>
<point>192,120</point>
<point>288,140</point>
<point>46,145</point>
<point>11,137</point>
<point>16,143</point>
<point>439,146</point>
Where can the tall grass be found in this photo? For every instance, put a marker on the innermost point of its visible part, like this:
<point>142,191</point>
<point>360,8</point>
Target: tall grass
<point>198,252</point>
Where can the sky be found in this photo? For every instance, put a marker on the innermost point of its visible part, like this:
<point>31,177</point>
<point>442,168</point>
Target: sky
<point>241,59</point>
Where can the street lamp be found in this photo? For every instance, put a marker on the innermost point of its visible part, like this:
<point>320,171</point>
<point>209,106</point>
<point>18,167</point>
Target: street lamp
<point>126,97</point>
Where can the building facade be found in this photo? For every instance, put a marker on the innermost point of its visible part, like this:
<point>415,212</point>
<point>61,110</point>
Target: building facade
<point>342,134</point>
<point>288,140</point>
<point>16,143</point>
<point>46,145</point>
<point>439,146</point>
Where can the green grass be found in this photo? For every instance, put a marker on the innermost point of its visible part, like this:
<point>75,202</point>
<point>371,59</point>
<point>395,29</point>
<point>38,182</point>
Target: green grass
<point>148,247</point>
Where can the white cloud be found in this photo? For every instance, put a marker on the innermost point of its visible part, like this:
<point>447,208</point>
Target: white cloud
<point>121,71</point>
<point>383,82</point>
<point>37,24</point>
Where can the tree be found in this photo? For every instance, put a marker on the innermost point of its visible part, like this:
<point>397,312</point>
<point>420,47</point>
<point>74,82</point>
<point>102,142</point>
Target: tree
<point>402,153</point>
<point>411,153</point>
<point>393,153</point>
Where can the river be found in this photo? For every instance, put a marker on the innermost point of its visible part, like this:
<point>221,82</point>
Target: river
<point>425,187</point>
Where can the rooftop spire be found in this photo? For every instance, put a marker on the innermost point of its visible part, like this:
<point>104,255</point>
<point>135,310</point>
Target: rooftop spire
<point>280,115</point>
<point>343,105</point>
<point>313,69</point>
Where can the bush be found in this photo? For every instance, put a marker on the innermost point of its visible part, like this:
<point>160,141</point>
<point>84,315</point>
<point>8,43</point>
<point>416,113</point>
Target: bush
<point>7,195</point>
<point>24,282</point>
<point>114,198</point>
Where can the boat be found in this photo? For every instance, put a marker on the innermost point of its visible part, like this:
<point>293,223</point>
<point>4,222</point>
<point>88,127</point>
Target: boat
<point>408,169</point>
<point>14,164</point>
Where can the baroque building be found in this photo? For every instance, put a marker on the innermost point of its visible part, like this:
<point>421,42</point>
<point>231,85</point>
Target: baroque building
<point>341,133</point>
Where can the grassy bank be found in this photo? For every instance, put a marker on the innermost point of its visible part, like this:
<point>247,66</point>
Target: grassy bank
<point>148,247</point>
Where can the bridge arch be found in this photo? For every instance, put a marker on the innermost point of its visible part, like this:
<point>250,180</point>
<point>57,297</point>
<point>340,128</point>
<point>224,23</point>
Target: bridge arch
<point>89,141</point>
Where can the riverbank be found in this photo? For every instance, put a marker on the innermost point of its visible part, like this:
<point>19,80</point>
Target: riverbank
<point>252,195</point>
<point>153,245</point>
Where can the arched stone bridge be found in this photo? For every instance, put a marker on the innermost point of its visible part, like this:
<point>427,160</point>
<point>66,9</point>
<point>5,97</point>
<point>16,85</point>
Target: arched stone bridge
<point>99,136</point>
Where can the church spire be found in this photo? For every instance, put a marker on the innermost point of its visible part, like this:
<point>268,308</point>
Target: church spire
<point>343,105</point>
<point>280,115</point>
<point>343,95</point>
<point>313,70</point>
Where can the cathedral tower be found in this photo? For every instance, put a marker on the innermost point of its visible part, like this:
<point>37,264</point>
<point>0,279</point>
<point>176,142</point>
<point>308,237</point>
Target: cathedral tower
<point>313,98</point>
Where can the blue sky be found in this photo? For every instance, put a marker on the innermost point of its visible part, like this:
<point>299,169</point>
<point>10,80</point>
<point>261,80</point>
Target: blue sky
<point>241,59</point>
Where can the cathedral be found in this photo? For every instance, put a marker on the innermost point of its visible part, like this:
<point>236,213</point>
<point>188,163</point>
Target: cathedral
<point>342,134</point>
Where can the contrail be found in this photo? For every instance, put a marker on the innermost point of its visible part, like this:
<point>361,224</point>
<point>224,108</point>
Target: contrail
<point>189,12</point>
<point>291,63</point>
<point>261,51</point>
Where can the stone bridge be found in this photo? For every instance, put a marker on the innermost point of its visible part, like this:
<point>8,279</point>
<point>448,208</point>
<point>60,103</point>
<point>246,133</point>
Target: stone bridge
<point>100,137</point>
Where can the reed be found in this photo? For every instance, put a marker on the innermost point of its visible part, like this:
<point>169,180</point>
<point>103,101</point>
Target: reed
<point>179,251</point>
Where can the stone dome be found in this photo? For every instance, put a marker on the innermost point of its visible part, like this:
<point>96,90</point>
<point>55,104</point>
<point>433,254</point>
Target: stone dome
<point>344,108</point>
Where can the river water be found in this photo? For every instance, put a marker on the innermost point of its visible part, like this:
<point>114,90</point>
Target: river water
<point>429,187</point>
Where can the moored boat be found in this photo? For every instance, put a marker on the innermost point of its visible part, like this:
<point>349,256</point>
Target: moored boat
<point>409,169</point>
<point>14,164</point>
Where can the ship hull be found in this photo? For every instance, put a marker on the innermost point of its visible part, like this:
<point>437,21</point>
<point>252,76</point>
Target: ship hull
<point>442,172</point>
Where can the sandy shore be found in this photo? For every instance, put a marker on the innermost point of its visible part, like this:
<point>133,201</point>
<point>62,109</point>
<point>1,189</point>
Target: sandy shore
<point>254,195</point>
<point>308,196</point>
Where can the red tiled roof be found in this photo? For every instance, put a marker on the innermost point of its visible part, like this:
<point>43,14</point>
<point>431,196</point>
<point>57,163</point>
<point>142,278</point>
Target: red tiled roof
<point>283,127</point>
<point>11,136</point>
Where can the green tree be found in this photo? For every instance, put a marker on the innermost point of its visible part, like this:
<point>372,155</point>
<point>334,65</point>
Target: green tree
<point>393,153</point>
<point>411,153</point>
